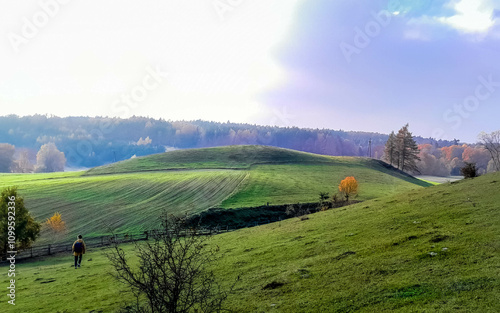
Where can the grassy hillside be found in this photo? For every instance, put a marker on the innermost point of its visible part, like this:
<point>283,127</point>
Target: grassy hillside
<point>276,175</point>
<point>289,183</point>
<point>126,202</point>
<point>376,256</point>
<point>126,197</point>
<point>233,157</point>
<point>369,257</point>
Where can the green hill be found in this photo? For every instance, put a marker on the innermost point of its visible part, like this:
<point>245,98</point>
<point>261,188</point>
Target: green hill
<point>129,196</point>
<point>228,157</point>
<point>428,250</point>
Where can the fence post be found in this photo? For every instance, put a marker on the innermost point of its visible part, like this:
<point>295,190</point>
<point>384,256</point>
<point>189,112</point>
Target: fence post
<point>49,248</point>
<point>31,252</point>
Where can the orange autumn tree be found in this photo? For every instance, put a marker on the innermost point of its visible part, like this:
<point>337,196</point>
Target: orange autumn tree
<point>55,223</point>
<point>348,187</point>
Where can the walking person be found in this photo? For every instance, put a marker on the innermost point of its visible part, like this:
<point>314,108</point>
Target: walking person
<point>78,250</point>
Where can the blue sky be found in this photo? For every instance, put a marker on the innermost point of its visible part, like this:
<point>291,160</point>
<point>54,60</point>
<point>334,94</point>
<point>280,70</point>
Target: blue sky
<point>367,65</point>
<point>415,69</point>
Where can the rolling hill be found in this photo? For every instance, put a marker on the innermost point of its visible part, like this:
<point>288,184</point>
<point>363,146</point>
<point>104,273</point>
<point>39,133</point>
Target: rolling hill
<point>427,250</point>
<point>227,157</point>
<point>129,196</point>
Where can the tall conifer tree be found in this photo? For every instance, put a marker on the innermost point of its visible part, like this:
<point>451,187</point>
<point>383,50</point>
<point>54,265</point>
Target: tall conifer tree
<point>408,150</point>
<point>401,150</point>
<point>390,149</point>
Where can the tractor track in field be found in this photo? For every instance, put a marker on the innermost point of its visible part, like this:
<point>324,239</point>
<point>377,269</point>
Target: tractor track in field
<point>129,201</point>
<point>214,169</point>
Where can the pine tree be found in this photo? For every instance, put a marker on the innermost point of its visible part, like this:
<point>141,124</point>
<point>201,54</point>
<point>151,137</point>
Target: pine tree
<point>407,150</point>
<point>390,149</point>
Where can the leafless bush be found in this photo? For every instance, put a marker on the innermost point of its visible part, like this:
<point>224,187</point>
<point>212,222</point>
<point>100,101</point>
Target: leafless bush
<point>469,170</point>
<point>172,274</point>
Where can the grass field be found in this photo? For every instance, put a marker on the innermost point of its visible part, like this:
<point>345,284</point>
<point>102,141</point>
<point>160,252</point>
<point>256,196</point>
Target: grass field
<point>93,205</point>
<point>369,257</point>
<point>233,157</point>
<point>278,184</point>
<point>129,196</point>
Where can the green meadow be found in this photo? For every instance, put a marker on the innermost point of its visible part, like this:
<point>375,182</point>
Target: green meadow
<point>129,196</point>
<point>430,249</point>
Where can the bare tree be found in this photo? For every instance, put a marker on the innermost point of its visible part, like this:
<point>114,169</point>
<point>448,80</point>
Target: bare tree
<point>172,274</point>
<point>6,157</point>
<point>23,163</point>
<point>491,142</point>
<point>50,159</point>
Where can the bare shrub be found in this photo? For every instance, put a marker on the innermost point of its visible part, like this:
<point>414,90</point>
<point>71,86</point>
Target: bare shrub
<point>173,271</point>
<point>469,170</point>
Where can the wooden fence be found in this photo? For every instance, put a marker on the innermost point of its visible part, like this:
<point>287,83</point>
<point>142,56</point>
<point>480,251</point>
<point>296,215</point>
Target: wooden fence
<point>102,241</point>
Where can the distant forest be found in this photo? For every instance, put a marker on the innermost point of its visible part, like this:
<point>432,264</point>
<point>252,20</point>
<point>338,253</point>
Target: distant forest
<point>94,141</point>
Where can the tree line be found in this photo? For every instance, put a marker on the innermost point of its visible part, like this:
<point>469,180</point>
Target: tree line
<point>48,159</point>
<point>403,152</point>
<point>93,141</point>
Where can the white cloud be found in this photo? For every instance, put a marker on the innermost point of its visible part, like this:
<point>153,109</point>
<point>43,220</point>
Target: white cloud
<point>90,56</point>
<point>472,16</point>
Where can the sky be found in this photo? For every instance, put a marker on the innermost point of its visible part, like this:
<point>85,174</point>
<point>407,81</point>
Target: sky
<point>371,65</point>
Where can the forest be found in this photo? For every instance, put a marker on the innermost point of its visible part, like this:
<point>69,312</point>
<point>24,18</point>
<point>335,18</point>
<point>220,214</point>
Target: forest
<point>94,141</point>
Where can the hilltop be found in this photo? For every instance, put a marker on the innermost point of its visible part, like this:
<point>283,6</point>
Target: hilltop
<point>227,157</point>
<point>112,139</point>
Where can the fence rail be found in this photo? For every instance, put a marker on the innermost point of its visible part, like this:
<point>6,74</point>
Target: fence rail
<point>102,241</point>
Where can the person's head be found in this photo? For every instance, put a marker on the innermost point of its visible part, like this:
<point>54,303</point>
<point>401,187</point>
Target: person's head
<point>80,237</point>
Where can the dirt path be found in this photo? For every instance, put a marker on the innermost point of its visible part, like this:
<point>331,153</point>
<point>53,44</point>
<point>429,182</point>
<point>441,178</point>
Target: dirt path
<point>438,179</point>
